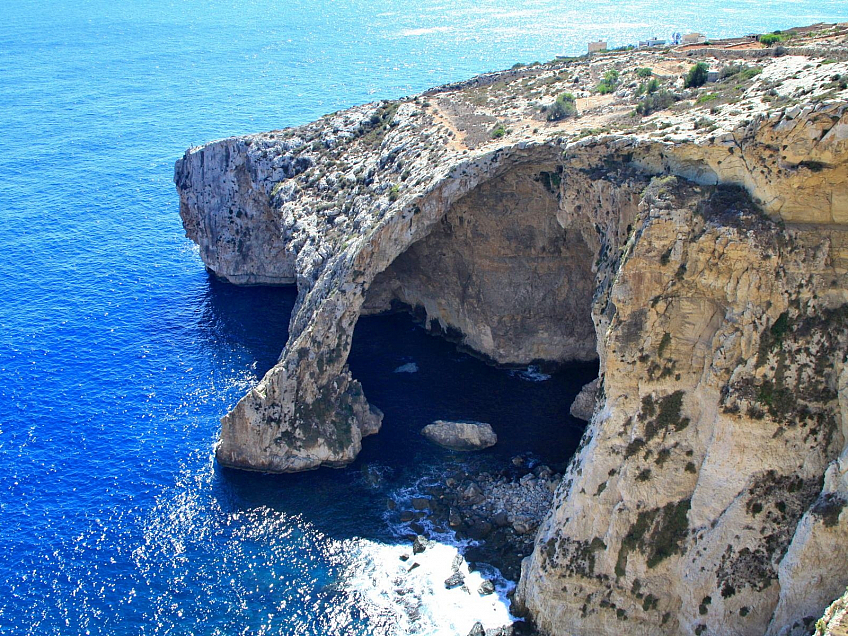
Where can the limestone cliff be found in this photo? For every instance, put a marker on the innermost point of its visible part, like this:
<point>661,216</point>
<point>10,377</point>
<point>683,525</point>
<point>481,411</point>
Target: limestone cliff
<point>698,246</point>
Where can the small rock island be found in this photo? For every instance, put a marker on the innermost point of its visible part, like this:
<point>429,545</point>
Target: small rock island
<point>460,436</point>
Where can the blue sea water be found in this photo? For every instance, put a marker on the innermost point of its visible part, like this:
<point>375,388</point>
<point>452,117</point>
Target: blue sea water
<point>118,353</point>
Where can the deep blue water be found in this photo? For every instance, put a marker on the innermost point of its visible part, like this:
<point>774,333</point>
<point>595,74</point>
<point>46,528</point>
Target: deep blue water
<point>118,354</point>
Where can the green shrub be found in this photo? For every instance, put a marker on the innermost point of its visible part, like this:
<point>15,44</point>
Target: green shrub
<point>644,72</point>
<point>772,38</point>
<point>697,76</point>
<point>648,87</point>
<point>394,193</point>
<point>609,83</point>
<point>644,475</point>
<point>670,532</point>
<point>498,131</point>
<point>666,340</point>
<point>656,101</point>
<point>650,602</point>
<point>741,72</point>
<point>563,107</point>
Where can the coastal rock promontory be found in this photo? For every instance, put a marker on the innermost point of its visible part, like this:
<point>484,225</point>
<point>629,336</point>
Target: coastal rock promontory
<point>692,240</point>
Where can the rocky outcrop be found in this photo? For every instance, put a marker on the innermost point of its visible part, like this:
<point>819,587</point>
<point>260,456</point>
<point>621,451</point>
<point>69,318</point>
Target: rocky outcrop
<point>700,253</point>
<point>711,469</point>
<point>835,619</point>
<point>230,183</point>
<point>460,436</point>
<point>584,404</point>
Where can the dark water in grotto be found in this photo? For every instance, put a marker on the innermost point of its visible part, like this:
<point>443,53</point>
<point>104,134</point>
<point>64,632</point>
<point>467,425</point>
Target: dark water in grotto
<point>527,408</point>
<point>118,354</point>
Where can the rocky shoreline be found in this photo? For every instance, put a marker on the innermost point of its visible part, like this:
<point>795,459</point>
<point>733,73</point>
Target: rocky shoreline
<point>497,512</point>
<point>493,513</point>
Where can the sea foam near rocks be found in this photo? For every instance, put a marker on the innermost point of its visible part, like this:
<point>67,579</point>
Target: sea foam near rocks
<point>410,593</point>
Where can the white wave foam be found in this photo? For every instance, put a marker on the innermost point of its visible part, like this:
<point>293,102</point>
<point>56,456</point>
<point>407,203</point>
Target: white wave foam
<point>531,374</point>
<point>409,367</point>
<point>416,598</point>
<point>424,31</point>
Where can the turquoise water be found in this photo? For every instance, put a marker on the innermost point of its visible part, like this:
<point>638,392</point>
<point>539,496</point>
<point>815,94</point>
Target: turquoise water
<point>118,354</point>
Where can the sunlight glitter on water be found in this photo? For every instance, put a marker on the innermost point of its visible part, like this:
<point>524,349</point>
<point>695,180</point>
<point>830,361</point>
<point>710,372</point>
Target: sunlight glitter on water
<point>281,575</point>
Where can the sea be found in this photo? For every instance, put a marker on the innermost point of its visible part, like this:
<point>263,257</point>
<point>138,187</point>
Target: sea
<point>119,353</point>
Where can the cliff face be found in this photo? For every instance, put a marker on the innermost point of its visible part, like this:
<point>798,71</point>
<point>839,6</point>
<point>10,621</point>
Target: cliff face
<point>709,490</point>
<point>703,262</point>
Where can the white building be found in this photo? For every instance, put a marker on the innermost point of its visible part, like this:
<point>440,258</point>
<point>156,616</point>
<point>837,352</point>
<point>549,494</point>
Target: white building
<point>651,42</point>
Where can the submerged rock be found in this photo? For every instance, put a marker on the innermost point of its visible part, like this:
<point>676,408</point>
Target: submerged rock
<point>420,503</point>
<point>460,436</point>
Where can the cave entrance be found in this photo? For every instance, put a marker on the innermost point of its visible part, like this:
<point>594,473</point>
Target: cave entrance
<point>500,275</point>
<point>416,378</point>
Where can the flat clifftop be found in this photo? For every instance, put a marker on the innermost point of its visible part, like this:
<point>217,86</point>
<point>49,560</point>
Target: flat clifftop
<point>330,181</point>
<point>688,227</point>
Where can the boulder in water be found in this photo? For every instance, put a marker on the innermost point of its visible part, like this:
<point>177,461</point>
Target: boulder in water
<point>420,544</point>
<point>454,580</point>
<point>486,588</point>
<point>460,436</point>
<point>420,503</point>
<point>477,630</point>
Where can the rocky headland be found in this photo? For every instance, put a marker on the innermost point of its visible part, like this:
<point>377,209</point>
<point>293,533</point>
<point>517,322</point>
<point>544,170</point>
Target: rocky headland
<point>692,237</point>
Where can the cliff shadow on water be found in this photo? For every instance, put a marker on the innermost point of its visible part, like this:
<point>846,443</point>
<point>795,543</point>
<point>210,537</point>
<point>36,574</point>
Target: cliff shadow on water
<point>253,318</point>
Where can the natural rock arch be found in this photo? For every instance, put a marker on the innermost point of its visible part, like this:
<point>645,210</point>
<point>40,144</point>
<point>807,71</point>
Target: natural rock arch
<point>554,233</point>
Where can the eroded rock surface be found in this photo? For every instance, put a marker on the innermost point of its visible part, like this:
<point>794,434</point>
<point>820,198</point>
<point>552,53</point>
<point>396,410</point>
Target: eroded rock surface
<point>460,436</point>
<point>835,619</point>
<point>705,494</point>
<point>584,404</point>
<point>700,252</point>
